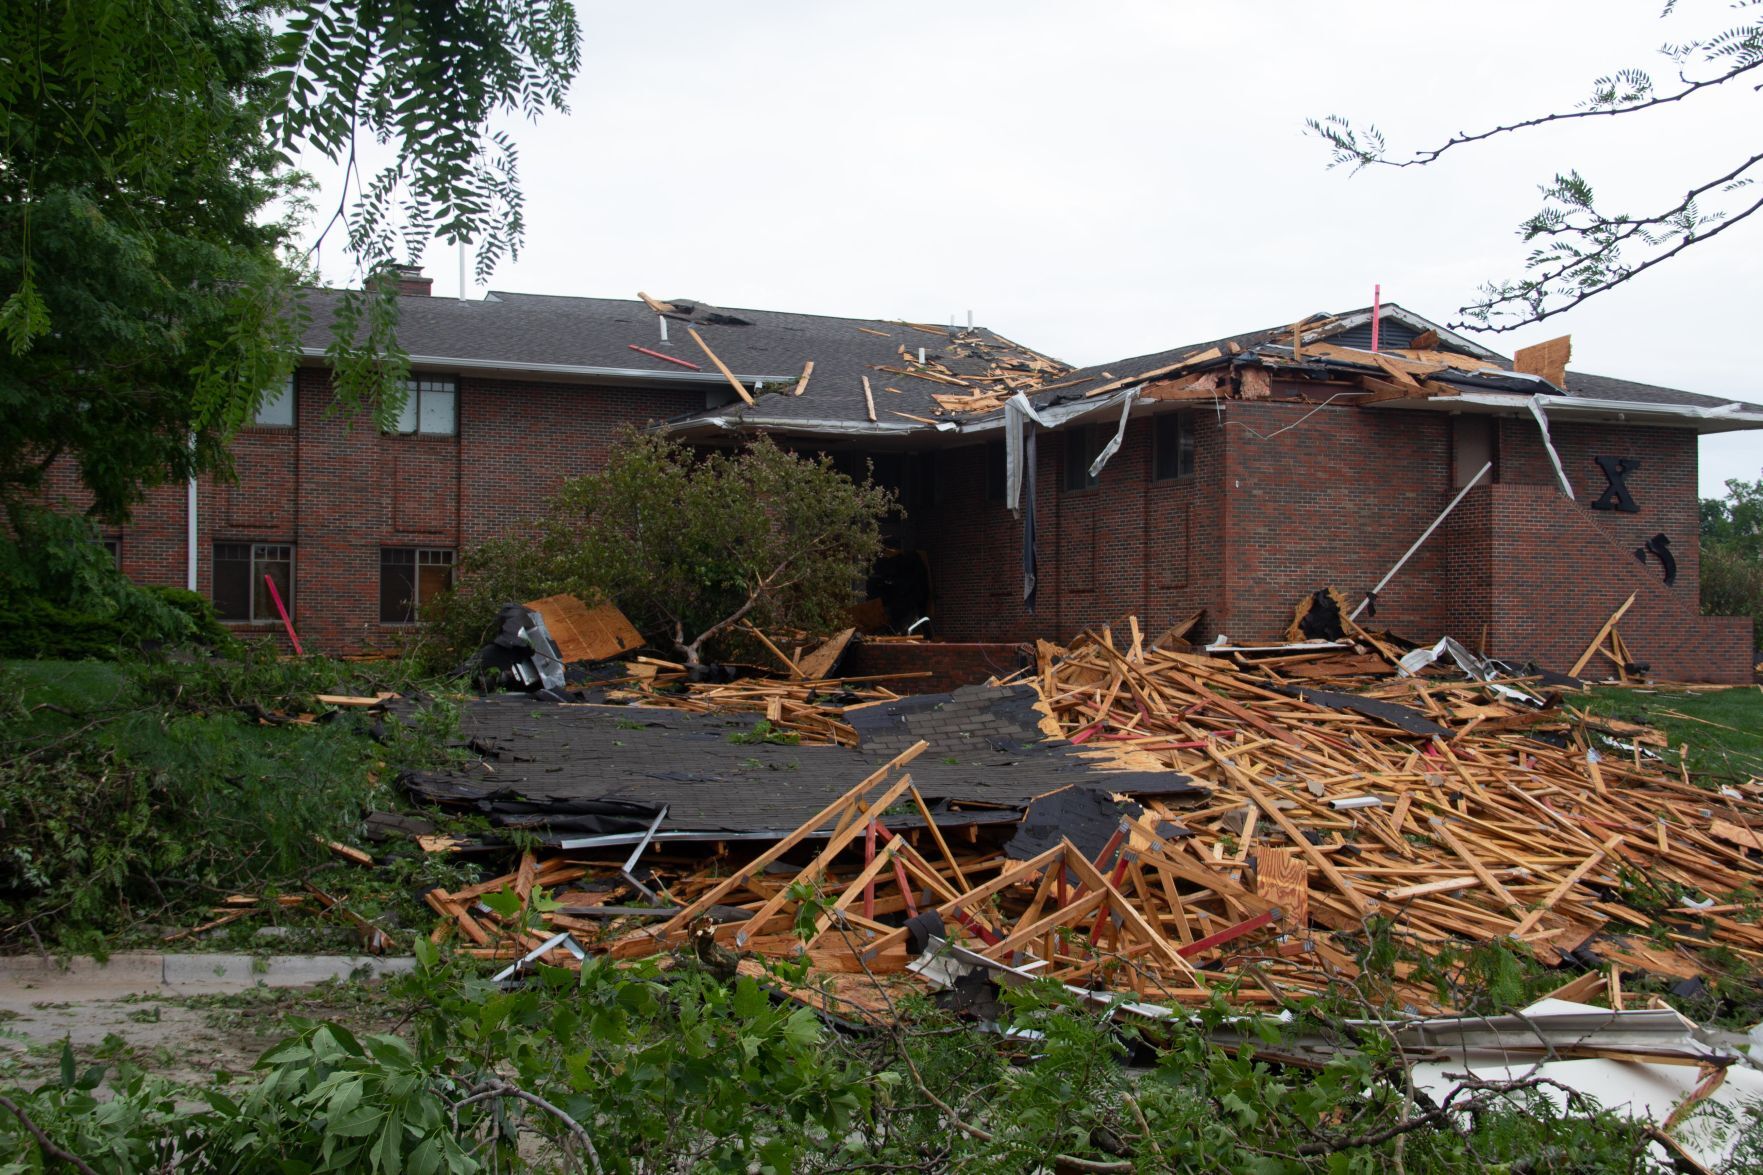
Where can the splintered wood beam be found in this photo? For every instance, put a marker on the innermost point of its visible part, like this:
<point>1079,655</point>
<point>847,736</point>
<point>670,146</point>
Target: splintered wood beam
<point>802,382</point>
<point>1293,833</point>
<point>1567,883</point>
<point>868,399</point>
<point>808,827</point>
<point>816,869</point>
<point>740,388</point>
<point>1549,360</point>
<point>1592,649</point>
<point>1481,871</point>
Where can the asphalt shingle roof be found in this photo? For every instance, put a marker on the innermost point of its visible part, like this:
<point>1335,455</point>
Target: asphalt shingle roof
<point>537,330</point>
<point>542,329</point>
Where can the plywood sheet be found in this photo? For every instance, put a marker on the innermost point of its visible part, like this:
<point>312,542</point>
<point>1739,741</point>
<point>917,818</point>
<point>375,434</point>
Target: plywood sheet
<point>583,633</point>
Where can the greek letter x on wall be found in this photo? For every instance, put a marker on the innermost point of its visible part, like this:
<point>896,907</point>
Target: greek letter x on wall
<point>1616,497</point>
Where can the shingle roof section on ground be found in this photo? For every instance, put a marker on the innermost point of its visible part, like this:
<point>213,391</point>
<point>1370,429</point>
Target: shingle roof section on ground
<point>985,754</point>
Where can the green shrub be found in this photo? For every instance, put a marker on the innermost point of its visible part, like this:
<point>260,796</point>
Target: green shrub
<point>1732,584</point>
<point>688,545</point>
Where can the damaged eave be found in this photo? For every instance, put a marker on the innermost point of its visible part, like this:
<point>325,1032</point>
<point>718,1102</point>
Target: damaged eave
<point>1338,325</point>
<point>1731,417</point>
<point>1060,413</point>
<point>722,425</point>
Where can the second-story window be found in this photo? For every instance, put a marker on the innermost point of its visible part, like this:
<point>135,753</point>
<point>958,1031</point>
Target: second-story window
<point>431,406</point>
<point>277,409</point>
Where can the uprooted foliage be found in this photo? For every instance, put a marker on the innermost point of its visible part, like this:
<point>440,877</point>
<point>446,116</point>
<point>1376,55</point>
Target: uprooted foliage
<point>688,545</point>
<point>663,1067</point>
<point>61,595</point>
<point>135,793</point>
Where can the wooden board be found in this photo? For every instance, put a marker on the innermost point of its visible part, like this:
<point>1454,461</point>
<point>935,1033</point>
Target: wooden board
<point>818,663</point>
<point>1548,360</point>
<point>1283,880</point>
<point>583,633</point>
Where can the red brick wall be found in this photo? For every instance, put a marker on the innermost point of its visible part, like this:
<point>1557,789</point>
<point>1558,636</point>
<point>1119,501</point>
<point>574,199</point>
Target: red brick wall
<point>1334,501</point>
<point>339,490</point>
<point>1129,546</point>
<point>950,664</point>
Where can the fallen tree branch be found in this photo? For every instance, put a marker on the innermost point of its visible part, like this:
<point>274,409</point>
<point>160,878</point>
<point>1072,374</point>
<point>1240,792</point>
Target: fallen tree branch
<point>47,1144</point>
<point>500,1089</point>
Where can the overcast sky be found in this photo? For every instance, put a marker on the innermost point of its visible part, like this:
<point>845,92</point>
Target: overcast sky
<point>1104,179</point>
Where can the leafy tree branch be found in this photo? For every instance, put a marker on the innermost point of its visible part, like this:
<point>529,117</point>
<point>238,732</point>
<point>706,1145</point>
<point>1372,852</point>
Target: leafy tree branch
<point>1583,246</point>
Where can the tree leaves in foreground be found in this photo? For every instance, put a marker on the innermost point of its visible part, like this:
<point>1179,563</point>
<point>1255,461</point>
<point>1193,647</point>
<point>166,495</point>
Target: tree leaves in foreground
<point>1582,245</point>
<point>646,1069</point>
<point>149,249</point>
<point>688,547</point>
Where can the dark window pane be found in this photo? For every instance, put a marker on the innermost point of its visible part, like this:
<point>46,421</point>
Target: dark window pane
<point>232,580</point>
<point>1172,446</point>
<point>1081,447</point>
<point>271,563</point>
<point>997,473</point>
<point>397,585</point>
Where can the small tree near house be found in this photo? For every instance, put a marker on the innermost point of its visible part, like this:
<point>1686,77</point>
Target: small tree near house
<point>688,545</point>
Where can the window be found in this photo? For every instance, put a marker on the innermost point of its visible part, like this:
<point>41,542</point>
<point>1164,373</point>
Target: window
<point>113,548</point>
<point>997,473</point>
<point>277,409</point>
<point>240,572</point>
<point>1082,446</point>
<point>1172,446</point>
<point>409,578</point>
<point>1474,443</point>
<point>431,406</point>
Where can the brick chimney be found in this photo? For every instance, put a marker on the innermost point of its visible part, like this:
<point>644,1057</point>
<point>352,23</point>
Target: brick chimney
<point>411,280</point>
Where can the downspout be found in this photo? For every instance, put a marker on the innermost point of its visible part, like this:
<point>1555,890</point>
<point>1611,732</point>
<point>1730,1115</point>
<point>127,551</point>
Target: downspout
<point>190,529</point>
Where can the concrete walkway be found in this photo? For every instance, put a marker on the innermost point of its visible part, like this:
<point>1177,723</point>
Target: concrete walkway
<point>30,978</point>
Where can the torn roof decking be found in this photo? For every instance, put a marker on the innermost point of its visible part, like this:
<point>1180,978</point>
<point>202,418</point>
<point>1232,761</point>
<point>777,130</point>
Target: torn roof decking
<point>572,768</point>
<point>596,339</point>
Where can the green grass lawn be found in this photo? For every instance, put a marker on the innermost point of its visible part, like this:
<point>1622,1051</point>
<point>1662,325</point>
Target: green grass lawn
<point>135,797</point>
<point>1723,728</point>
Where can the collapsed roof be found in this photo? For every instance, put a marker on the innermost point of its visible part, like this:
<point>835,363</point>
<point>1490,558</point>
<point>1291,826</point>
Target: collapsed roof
<point>883,380</point>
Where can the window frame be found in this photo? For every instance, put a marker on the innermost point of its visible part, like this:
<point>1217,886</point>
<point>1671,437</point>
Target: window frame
<point>997,472</point>
<point>418,388</point>
<point>1186,445</point>
<point>289,395</point>
<point>415,602</point>
<point>1083,443</point>
<point>256,559</point>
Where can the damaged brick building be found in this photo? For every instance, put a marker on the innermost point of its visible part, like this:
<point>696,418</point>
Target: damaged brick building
<point>1226,479</point>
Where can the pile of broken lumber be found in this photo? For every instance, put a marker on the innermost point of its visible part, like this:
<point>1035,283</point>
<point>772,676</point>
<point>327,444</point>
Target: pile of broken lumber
<point>1453,812</point>
<point>807,703</point>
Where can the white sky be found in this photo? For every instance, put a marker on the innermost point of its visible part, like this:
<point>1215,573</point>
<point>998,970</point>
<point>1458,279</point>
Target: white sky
<point>1103,179</point>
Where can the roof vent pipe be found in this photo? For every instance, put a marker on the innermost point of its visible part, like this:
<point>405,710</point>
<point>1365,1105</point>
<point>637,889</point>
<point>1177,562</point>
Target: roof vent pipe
<point>661,320</point>
<point>921,355</point>
<point>970,321</point>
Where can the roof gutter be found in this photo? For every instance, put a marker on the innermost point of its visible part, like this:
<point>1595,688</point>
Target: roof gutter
<point>1058,414</point>
<point>1564,407</point>
<point>786,424</point>
<point>631,374</point>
